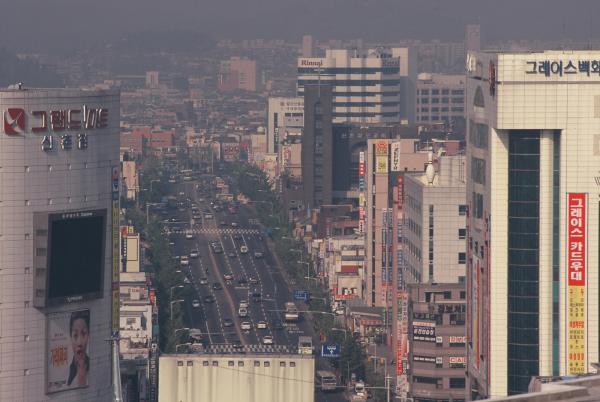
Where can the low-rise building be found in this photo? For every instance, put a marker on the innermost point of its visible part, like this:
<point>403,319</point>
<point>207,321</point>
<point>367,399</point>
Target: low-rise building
<point>240,377</point>
<point>440,98</point>
<point>437,337</point>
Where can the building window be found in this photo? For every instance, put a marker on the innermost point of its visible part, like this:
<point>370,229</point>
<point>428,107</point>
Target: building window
<point>478,170</point>
<point>215,363</point>
<point>462,258</point>
<point>424,91</point>
<point>462,210</point>
<point>445,91</point>
<point>447,295</point>
<point>231,363</point>
<point>457,382</point>
<point>205,363</point>
<point>463,295</point>
<point>435,91</point>
<point>267,364</point>
<point>281,364</point>
<point>256,363</point>
<point>425,380</point>
<point>462,234</point>
<point>458,92</point>
<point>240,363</point>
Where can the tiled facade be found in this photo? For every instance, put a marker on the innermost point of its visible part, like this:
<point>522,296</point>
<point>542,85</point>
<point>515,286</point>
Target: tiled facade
<point>33,180</point>
<point>532,147</point>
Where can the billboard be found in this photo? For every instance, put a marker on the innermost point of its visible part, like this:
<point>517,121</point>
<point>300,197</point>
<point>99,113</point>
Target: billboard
<point>395,157</point>
<point>381,164</point>
<point>424,331</point>
<point>75,262</point>
<point>576,280</point>
<point>68,354</point>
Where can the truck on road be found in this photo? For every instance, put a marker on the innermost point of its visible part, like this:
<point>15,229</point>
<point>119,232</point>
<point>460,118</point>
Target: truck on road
<point>291,312</point>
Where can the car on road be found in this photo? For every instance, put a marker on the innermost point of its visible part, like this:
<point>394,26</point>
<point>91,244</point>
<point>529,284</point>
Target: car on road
<point>243,303</point>
<point>242,280</point>
<point>234,224</point>
<point>243,312</point>
<point>223,223</point>
<point>217,286</point>
<point>256,296</point>
<point>203,281</point>
<point>208,216</point>
<point>217,249</point>
<point>261,325</point>
<point>194,253</point>
<point>267,340</point>
<point>189,235</point>
<point>209,299</point>
<point>258,254</point>
<point>253,280</point>
<point>244,249</point>
<point>227,322</point>
<point>277,324</point>
<point>228,276</point>
<point>237,344</point>
<point>195,303</point>
<point>232,255</point>
<point>184,260</point>
<point>246,326</point>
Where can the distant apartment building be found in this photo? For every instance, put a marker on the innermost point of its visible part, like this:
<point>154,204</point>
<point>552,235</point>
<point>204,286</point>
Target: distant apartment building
<point>152,80</point>
<point>435,223</point>
<point>144,139</point>
<point>285,116</point>
<point>238,73</point>
<point>440,98</point>
<point>437,336</point>
<point>376,86</point>
<point>308,46</point>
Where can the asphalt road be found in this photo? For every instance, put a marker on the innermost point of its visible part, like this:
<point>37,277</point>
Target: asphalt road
<point>211,318</point>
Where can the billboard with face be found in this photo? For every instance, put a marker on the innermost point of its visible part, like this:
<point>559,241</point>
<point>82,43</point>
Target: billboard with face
<point>68,356</point>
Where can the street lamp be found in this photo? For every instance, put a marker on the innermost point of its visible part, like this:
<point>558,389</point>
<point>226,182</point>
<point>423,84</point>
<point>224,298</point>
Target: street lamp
<point>175,301</point>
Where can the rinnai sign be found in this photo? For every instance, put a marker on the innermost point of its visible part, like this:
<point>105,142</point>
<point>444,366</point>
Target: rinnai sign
<point>18,121</point>
<point>576,282</point>
<point>311,63</point>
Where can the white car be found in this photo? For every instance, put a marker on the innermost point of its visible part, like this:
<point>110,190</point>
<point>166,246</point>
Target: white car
<point>243,312</point>
<point>184,260</point>
<point>244,249</point>
<point>246,326</point>
<point>189,235</point>
<point>261,325</point>
<point>267,340</point>
<point>228,277</point>
<point>234,224</point>
<point>195,303</point>
<point>243,303</point>
<point>194,254</point>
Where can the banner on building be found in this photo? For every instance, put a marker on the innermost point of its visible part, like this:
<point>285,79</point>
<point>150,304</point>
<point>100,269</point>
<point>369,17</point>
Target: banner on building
<point>395,157</point>
<point>381,164</point>
<point>576,282</point>
<point>381,148</point>
<point>68,359</point>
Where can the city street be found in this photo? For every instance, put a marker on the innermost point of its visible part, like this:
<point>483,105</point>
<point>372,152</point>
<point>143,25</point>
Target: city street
<point>258,281</point>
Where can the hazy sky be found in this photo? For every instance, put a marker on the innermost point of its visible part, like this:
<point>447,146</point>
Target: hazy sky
<point>39,24</point>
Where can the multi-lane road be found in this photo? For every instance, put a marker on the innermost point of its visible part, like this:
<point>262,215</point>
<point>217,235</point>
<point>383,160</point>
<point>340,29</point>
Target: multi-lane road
<point>258,281</point>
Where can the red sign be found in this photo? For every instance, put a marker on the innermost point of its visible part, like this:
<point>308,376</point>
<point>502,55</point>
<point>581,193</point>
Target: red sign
<point>576,238</point>
<point>14,121</point>
<point>86,118</point>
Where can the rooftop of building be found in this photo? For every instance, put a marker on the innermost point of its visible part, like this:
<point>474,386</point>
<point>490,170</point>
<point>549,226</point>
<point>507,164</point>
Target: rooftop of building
<point>446,175</point>
<point>580,389</point>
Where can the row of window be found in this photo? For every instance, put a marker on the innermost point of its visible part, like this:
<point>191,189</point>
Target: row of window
<point>443,92</point>
<point>439,382</point>
<point>347,70</point>
<point>442,109</point>
<point>432,118</point>
<point>425,101</point>
<point>364,104</point>
<point>350,83</point>
<point>240,363</point>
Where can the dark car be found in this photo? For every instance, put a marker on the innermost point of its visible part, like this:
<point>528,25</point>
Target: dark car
<point>242,280</point>
<point>217,286</point>
<point>277,324</point>
<point>209,299</point>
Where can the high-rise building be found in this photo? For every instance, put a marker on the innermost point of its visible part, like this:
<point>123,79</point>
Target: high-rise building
<point>533,244</point>
<point>308,46</point>
<point>440,99</point>
<point>473,38</point>
<point>370,87</point>
<point>283,114</point>
<point>238,73</point>
<point>435,233</point>
<point>59,220</point>
<point>317,145</point>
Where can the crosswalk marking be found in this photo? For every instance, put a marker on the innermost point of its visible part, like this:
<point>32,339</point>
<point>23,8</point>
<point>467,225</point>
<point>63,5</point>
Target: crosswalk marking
<point>228,231</point>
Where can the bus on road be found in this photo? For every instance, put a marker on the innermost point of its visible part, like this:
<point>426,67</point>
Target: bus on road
<point>291,312</point>
<point>305,346</point>
<point>326,381</point>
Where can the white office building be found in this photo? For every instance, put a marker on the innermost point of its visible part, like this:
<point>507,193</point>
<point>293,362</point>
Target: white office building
<point>532,162</point>
<point>59,184</point>
<point>285,116</point>
<point>372,87</point>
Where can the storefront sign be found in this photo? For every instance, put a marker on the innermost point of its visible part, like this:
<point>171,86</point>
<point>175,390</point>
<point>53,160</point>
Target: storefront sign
<point>549,68</point>
<point>424,331</point>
